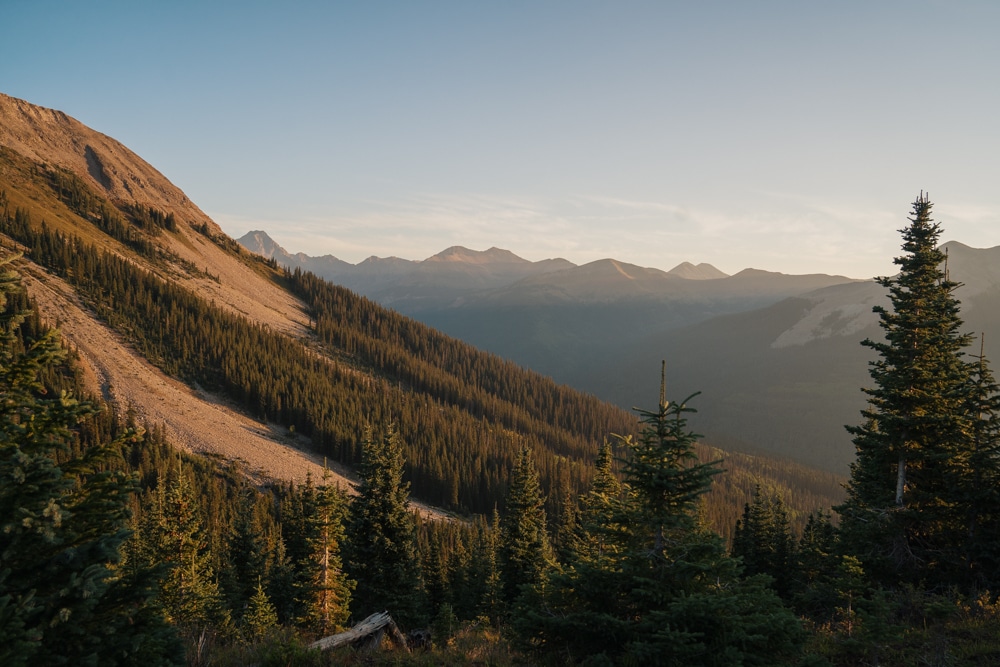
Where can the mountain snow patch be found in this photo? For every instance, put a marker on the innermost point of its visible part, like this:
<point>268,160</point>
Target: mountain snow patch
<point>835,312</point>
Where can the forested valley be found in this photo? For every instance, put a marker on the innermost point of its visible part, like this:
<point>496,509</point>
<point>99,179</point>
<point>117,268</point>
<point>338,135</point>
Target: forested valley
<point>577,533</point>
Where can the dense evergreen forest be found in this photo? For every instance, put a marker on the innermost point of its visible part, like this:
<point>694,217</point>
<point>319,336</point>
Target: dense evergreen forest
<point>118,549</point>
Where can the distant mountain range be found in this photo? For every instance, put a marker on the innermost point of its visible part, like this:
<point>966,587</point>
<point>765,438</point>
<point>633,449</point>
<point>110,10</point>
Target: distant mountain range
<point>777,357</point>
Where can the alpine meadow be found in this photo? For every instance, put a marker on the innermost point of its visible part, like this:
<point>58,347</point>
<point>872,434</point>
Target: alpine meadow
<point>215,455</point>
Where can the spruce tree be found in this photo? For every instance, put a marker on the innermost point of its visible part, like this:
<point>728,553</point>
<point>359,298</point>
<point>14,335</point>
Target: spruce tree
<point>660,588</point>
<point>381,535</point>
<point>486,569</point>
<point>763,540</point>
<point>525,554</point>
<point>663,472</point>
<point>900,515</point>
<point>976,472</point>
<point>260,616</point>
<point>246,554</point>
<point>817,569</point>
<point>172,533</point>
<point>604,519</point>
<point>328,601</point>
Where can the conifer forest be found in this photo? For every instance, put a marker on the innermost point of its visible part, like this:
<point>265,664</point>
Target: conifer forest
<point>568,531</point>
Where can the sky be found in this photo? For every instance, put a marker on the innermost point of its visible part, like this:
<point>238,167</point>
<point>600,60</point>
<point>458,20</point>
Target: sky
<point>788,136</point>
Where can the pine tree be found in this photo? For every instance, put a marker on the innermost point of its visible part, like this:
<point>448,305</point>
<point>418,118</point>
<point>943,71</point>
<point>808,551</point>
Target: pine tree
<point>977,472</point>
<point>899,518</point>
<point>172,533</point>
<point>260,616</point>
<point>818,564</point>
<point>463,588</point>
<point>486,566</point>
<point>327,607</point>
<point>64,596</point>
<point>669,594</point>
<point>525,554</point>
<point>281,582</point>
<point>246,554</point>
<point>663,472</point>
<point>763,540</point>
<point>381,537</point>
<point>604,516</point>
<point>435,572</point>
<point>564,535</point>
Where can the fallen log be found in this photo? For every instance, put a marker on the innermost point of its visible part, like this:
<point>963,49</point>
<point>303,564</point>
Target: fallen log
<point>368,634</point>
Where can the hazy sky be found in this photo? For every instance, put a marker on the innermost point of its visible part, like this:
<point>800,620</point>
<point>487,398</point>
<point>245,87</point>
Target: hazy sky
<point>788,136</point>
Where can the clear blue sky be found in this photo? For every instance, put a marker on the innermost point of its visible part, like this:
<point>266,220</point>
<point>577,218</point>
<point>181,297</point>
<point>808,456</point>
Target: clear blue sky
<point>789,136</point>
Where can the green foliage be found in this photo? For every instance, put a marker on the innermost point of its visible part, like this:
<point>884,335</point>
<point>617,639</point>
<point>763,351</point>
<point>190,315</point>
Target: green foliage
<point>246,557</point>
<point>64,597</point>
<point>261,616</point>
<point>663,472</point>
<point>914,498</point>
<point>764,542</point>
<point>525,554</point>
<point>382,556</point>
<point>649,584</point>
<point>172,534</point>
<point>976,472</point>
<point>326,589</point>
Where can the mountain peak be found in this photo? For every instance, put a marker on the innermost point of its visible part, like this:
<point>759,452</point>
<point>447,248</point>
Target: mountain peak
<point>52,137</point>
<point>702,271</point>
<point>260,242</point>
<point>459,253</point>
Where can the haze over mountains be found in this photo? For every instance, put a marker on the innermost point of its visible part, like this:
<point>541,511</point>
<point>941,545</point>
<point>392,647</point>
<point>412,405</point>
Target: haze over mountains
<point>777,357</point>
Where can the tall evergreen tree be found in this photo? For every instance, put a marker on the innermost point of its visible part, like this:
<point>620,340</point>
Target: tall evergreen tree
<point>977,473</point>
<point>246,555</point>
<point>663,472</point>
<point>381,535</point>
<point>670,595</point>
<point>327,590</point>
<point>525,554</point>
<point>900,517</point>
<point>172,532</point>
<point>817,569</point>
<point>486,569</point>
<point>763,540</point>
<point>604,519</point>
